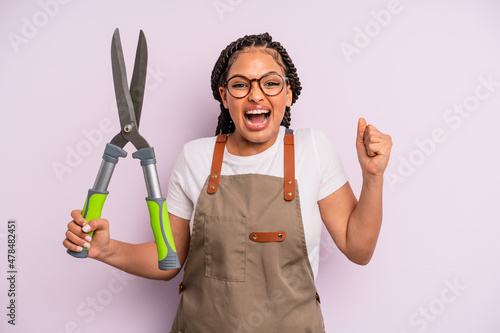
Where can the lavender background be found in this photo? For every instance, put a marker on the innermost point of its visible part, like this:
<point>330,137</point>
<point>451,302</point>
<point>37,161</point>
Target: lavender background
<point>426,72</point>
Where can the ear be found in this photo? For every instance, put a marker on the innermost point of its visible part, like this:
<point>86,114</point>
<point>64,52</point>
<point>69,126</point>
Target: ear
<point>289,95</point>
<point>223,96</point>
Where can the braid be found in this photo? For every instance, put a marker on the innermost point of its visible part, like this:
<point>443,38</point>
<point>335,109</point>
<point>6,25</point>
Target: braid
<point>225,124</point>
<point>287,118</point>
<point>293,79</point>
<point>228,56</point>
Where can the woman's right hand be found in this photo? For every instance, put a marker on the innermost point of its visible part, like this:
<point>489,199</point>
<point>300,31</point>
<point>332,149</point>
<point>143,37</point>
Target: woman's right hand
<point>138,259</point>
<point>77,235</point>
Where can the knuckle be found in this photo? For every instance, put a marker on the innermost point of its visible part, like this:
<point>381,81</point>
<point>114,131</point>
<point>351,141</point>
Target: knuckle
<point>75,212</point>
<point>101,222</point>
<point>73,227</point>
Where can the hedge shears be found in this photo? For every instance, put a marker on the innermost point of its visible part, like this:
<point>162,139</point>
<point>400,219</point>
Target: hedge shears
<point>129,102</point>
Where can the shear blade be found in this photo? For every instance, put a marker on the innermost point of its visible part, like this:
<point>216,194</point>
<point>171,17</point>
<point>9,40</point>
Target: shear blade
<point>122,93</point>
<point>138,83</point>
<point>129,104</point>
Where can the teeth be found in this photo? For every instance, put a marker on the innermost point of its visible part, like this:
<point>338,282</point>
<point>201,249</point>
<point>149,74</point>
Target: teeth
<point>257,112</point>
<point>250,122</point>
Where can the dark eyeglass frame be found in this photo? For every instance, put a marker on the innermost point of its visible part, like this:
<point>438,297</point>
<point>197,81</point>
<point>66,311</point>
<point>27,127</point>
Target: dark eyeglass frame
<point>284,78</point>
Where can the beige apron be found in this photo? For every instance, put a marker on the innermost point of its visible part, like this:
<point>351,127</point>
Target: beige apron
<point>247,268</point>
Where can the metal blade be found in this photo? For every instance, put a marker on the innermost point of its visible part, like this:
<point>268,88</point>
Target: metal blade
<point>138,84</point>
<point>123,99</point>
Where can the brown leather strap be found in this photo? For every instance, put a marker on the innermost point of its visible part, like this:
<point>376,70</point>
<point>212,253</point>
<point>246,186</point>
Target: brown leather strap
<point>289,166</point>
<point>276,236</point>
<point>213,184</point>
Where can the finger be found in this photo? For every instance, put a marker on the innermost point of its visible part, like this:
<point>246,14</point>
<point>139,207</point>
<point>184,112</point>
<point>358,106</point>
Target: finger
<point>71,246</point>
<point>77,217</point>
<point>95,224</point>
<point>374,136</point>
<point>376,148</point>
<point>77,240</point>
<point>361,130</point>
<point>78,231</point>
<point>370,152</point>
<point>371,139</point>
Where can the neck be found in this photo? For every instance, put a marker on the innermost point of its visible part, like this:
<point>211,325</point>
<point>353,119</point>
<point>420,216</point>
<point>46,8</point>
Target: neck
<point>240,146</point>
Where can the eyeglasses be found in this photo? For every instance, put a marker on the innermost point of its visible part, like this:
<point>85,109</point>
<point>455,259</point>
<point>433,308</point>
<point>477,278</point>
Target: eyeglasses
<point>271,84</point>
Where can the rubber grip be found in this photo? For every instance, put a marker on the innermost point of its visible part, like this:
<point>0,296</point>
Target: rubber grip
<point>91,210</point>
<point>167,254</point>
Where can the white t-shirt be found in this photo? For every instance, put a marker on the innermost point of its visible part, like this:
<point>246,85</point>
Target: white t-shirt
<point>318,170</point>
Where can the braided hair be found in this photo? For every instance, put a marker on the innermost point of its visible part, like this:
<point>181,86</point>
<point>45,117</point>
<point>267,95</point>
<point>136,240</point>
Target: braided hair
<point>228,56</point>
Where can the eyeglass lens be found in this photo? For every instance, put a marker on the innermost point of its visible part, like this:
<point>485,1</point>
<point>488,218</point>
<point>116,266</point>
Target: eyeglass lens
<point>271,85</point>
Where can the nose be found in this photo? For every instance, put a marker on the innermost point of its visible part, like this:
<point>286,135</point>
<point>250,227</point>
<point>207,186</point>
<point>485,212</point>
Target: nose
<point>256,94</point>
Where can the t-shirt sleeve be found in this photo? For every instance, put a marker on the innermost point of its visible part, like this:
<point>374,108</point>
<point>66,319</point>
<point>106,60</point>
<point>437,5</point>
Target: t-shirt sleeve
<point>178,202</point>
<point>333,175</point>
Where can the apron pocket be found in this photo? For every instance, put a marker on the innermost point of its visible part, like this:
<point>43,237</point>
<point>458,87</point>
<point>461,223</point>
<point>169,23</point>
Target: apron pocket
<point>225,248</point>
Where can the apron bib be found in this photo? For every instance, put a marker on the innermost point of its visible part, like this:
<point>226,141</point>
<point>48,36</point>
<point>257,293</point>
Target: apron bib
<point>247,268</point>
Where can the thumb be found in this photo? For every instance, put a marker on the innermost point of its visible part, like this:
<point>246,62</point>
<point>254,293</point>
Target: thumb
<point>361,131</point>
<point>95,224</point>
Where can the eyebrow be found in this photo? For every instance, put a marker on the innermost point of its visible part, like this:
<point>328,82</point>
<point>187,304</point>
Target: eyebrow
<point>271,72</point>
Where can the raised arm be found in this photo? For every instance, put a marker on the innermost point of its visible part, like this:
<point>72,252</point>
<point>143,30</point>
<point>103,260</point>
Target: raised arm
<point>355,225</point>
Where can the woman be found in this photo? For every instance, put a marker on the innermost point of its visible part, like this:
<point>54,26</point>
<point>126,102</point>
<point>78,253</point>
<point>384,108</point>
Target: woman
<point>248,205</point>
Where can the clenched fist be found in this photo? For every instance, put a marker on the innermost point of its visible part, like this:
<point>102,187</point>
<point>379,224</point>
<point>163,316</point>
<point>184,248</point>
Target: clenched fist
<point>374,149</point>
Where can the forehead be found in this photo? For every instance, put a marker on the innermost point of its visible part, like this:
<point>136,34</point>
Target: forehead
<point>254,63</point>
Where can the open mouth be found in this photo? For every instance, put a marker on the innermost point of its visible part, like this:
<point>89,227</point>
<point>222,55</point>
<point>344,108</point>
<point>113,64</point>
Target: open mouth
<point>257,117</point>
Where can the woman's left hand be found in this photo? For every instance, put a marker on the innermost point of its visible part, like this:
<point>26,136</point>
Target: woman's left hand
<point>374,149</point>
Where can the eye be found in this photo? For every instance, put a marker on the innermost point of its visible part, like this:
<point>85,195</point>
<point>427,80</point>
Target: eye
<point>240,85</point>
<point>271,84</point>
<point>271,81</point>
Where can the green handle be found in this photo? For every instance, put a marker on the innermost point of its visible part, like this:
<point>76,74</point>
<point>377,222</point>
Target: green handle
<point>167,254</point>
<point>91,210</point>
